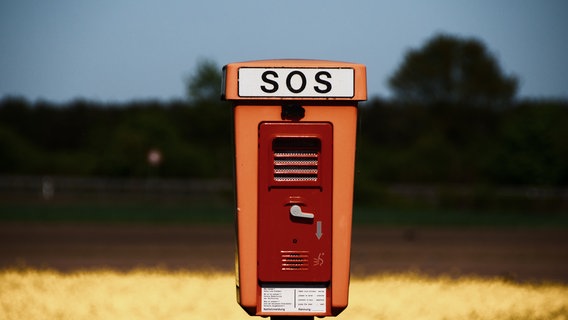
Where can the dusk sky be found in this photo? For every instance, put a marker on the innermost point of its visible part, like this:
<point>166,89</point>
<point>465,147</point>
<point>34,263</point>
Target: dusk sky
<point>120,51</point>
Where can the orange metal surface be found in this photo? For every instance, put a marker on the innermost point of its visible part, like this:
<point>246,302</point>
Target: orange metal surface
<point>249,113</point>
<point>247,119</point>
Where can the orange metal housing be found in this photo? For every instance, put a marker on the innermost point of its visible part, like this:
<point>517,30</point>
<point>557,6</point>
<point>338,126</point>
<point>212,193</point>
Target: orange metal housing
<point>249,113</point>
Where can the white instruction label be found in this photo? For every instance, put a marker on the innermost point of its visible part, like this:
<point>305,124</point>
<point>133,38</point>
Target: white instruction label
<point>293,299</point>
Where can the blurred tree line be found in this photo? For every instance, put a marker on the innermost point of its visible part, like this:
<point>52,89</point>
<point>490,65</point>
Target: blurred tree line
<point>525,144</point>
<point>453,119</point>
<point>88,138</point>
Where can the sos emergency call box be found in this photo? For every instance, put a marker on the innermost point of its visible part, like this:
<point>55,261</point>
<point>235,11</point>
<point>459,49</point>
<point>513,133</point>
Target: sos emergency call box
<point>295,127</point>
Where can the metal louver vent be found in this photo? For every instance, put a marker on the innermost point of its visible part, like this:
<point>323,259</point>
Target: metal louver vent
<point>295,260</point>
<point>296,159</point>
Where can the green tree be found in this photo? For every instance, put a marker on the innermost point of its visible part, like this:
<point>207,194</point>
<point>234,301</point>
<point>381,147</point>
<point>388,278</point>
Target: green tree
<point>210,127</point>
<point>452,70</point>
<point>204,84</point>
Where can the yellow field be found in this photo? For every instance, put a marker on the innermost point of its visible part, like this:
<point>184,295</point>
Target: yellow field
<point>155,294</point>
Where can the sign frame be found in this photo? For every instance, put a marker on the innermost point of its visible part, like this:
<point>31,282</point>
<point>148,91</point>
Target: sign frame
<point>231,81</point>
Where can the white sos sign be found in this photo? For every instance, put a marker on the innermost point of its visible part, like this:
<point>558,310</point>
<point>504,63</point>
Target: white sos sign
<point>296,82</point>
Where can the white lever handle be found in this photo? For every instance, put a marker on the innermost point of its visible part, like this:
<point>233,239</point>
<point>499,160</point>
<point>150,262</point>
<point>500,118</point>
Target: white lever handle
<point>296,211</point>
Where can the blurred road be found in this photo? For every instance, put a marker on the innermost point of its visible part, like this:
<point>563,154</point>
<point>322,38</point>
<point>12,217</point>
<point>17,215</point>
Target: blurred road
<point>528,254</point>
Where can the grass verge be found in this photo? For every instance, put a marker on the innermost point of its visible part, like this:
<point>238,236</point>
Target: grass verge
<point>158,294</point>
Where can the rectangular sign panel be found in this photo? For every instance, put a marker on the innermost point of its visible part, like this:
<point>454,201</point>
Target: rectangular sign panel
<point>293,299</point>
<point>296,82</point>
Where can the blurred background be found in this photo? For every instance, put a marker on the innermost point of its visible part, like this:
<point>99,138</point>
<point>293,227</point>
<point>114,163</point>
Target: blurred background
<point>110,111</point>
<point>120,101</point>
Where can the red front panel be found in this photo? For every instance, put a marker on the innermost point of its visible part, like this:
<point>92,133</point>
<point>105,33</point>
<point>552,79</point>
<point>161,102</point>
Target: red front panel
<point>295,202</point>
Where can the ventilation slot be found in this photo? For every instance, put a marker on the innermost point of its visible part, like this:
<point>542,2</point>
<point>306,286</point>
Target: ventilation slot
<point>296,159</point>
<point>295,260</point>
